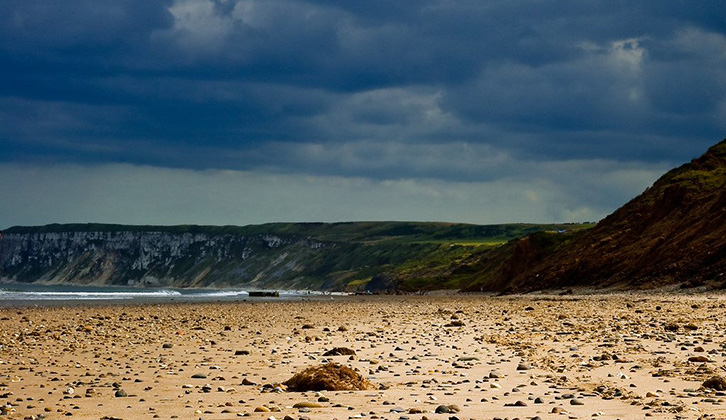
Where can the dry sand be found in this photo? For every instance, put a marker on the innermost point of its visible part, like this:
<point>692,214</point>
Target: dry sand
<point>624,357</point>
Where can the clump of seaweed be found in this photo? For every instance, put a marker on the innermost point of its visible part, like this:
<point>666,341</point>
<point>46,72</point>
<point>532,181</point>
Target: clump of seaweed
<point>328,377</point>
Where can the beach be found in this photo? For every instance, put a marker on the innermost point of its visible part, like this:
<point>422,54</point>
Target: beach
<point>616,356</point>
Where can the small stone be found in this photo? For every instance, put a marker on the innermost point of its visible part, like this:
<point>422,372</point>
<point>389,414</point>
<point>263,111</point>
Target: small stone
<point>442,409</point>
<point>121,393</point>
<point>447,409</point>
<point>339,351</point>
<point>306,404</point>
<point>575,401</point>
<point>672,327</point>
<point>523,366</point>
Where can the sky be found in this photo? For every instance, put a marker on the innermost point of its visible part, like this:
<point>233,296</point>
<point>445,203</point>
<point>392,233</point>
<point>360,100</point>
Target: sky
<point>253,111</point>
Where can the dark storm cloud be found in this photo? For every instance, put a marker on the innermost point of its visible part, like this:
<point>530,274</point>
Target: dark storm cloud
<point>436,89</point>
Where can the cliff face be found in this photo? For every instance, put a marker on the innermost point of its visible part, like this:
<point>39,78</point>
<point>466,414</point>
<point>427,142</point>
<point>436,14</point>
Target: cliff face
<point>154,258</point>
<point>409,256</point>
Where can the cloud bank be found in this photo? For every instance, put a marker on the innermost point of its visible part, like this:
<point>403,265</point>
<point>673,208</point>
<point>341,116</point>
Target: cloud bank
<point>130,194</point>
<point>582,103</point>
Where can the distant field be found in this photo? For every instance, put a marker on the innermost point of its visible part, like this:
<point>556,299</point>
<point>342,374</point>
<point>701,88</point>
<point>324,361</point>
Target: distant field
<point>466,242</point>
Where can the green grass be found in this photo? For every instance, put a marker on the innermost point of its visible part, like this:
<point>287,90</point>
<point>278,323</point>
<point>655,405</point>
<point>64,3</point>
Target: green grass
<point>466,242</point>
<point>357,283</point>
<point>363,232</point>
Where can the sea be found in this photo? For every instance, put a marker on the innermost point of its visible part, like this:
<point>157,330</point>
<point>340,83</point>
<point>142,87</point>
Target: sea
<point>21,294</point>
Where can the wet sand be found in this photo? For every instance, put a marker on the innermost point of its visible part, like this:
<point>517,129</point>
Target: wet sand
<point>602,356</point>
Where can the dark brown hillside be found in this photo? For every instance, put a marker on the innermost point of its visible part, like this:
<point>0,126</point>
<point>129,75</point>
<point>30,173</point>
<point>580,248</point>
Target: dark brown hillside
<point>496,270</point>
<point>674,232</point>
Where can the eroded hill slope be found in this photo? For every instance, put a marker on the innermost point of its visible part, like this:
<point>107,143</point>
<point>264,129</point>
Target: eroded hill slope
<point>673,233</point>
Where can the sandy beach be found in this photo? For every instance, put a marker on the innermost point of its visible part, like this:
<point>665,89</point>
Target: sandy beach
<point>468,357</point>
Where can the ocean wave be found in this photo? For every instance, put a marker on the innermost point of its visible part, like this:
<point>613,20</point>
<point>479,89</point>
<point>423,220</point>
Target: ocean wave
<point>13,294</point>
<point>218,294</point>
<point>85,295</point>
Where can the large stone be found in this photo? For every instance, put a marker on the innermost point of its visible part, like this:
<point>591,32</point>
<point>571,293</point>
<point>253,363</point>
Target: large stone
<point>717,383</point>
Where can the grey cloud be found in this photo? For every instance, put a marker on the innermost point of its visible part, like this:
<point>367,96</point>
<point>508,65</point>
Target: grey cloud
<point>83,30</point>
<point>434,90</point>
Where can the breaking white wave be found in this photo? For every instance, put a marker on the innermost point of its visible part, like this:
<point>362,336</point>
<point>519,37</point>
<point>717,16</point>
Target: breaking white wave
<point>85,295</point>
<point>18,293</point>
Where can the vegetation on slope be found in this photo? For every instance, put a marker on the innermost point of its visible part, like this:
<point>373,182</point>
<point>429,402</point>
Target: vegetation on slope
<point>410,256</point>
